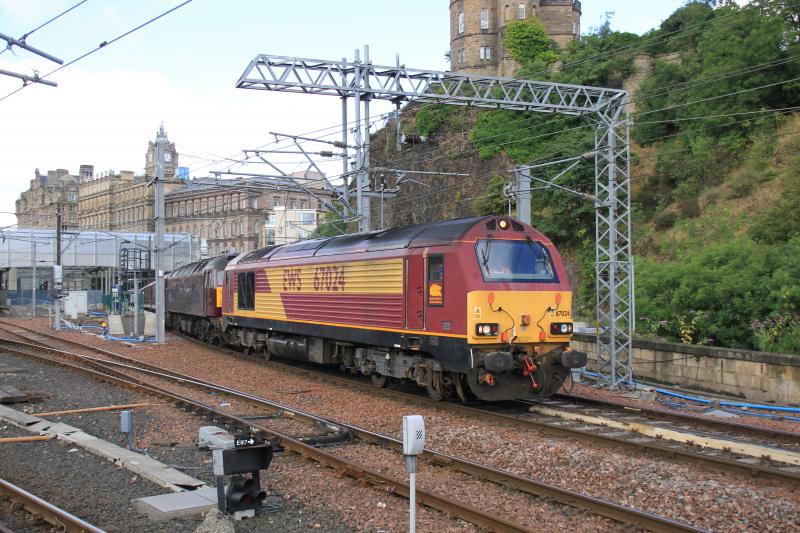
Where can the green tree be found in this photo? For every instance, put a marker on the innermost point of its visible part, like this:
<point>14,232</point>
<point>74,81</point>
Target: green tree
<point>493,201</point>
<point>527,41</point>
<point>332,225</point>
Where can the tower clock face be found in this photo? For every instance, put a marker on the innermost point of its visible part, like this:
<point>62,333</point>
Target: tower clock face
<point>167,157</point>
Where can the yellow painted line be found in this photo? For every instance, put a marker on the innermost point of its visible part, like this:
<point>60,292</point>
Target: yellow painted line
<point>251,314</point>
<point>752,450</point>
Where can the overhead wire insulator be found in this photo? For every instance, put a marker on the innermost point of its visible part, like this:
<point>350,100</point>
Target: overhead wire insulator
<point>326,153</point>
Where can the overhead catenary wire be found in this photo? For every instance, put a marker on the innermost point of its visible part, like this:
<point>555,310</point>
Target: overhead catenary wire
<point>483,177</point>
<point>102,45</point>
<point>585,126</point>
<point>40,26</point>
<point>650,41</point>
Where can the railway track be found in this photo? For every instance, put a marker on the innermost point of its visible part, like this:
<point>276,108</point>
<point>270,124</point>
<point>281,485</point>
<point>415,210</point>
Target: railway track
<point>723,458</point>
<point>790,438</point>
<point>116,368</point>
<point>57,517</point>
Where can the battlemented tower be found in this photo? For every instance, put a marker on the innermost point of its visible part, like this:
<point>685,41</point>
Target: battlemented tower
<point>477,28</point>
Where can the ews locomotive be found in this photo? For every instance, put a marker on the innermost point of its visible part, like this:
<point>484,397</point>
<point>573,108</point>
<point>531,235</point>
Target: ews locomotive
<point>476,305</point>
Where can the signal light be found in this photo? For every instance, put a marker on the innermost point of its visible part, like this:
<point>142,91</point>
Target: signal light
<point>487,330</point>
<point>243,494</point>
<point>560,328</point>
<point>503,224</point>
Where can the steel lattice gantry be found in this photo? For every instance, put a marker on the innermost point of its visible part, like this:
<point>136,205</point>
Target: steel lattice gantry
<point>604,108</point>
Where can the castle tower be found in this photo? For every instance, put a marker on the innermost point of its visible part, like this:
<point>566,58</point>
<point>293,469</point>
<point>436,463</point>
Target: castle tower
<point>170,156</point>
<point>477,28</point>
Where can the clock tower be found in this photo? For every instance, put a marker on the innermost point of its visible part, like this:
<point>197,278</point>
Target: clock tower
<point>170,156</point>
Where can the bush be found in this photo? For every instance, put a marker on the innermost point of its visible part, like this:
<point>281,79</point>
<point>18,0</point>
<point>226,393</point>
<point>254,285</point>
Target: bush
<point>431,117</point>
<point>778,334</point>
<point>717,293</point>
<point>665,220</point>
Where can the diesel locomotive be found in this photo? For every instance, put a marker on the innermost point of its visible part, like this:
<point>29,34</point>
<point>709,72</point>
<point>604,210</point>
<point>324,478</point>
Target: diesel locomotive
<point>475,306</point>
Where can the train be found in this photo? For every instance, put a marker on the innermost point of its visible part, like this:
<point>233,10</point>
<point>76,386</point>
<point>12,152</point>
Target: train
<point>476,307</point>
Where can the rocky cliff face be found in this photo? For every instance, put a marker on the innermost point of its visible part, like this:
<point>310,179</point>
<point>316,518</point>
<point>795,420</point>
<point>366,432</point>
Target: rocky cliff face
<point>429,197</point>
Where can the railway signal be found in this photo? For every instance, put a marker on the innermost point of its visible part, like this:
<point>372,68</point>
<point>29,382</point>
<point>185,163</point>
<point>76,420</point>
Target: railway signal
<point>243,495</point>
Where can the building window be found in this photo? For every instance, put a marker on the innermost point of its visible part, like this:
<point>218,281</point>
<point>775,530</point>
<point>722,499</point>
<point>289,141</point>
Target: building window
<point>272,219</point>
<point>303,204</point>
<point>574,28</point>
<point>484,19</point>
<point>276,201</point>
<point>255,203</point>
<point>521,11</point>
<point>292,204</point>
<point>461,22</point>
<point>306,218</point>
<point>485,53</point>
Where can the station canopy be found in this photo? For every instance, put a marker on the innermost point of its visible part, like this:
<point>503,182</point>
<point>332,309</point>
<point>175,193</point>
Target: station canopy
<point>91,248</point>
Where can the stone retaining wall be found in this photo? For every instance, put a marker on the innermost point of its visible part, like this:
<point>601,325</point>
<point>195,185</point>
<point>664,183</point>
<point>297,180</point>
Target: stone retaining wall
<point>754,376</point>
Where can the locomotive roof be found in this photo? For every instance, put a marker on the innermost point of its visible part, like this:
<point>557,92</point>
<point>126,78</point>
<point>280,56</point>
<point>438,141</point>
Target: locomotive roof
<point>416,236</point>
<point>212,263</point>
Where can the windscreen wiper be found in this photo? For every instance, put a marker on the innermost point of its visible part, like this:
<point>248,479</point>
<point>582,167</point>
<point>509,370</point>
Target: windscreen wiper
<point>485,253</point>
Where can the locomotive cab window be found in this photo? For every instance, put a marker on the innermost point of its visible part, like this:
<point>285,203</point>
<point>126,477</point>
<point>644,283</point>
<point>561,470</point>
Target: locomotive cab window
<point>436,280</point>
<point>246,290</point>
<point>515,261</point>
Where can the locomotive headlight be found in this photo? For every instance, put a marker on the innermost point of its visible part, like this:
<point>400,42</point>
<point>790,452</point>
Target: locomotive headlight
<point>486,329</point>
<point>564,328</point>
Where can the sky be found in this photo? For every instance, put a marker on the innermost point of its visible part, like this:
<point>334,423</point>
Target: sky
<point>181,71</point>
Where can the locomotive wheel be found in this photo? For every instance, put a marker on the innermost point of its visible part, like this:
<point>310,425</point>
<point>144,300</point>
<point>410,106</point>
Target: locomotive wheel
<point>378,380</point>
<point>436,388</point>
<point>267,355</point>
<point>460,386</point>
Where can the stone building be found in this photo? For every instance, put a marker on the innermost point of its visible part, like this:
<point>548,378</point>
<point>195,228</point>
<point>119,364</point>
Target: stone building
<point>232,216</point>
<point>47,194</point>
<point>477,28</point>
<point>122,201</point>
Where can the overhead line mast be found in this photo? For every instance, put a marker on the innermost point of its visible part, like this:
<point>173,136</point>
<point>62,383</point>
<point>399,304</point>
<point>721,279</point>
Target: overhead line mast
<point>605,108</point>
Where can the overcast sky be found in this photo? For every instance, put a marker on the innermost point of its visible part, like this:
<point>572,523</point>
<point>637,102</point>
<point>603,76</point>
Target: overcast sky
<point>182,70</point>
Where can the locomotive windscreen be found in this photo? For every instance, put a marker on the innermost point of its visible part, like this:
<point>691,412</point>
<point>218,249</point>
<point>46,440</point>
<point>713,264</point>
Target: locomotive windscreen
<point>515,261</point>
